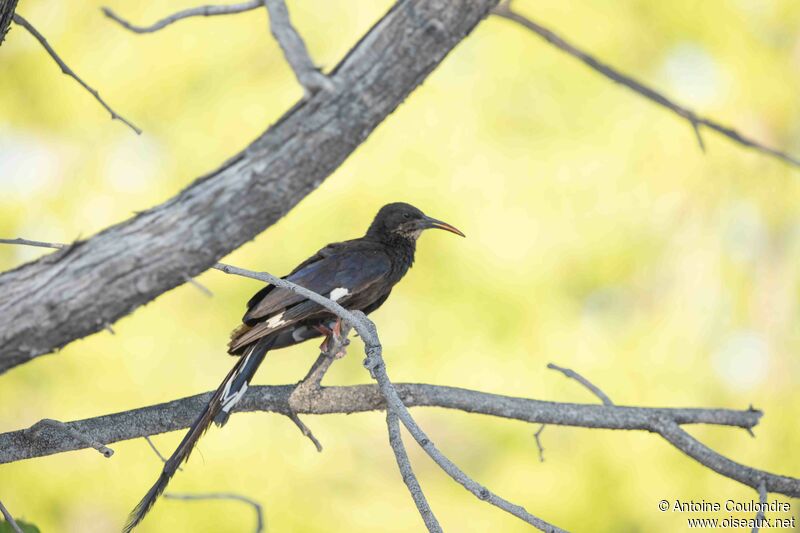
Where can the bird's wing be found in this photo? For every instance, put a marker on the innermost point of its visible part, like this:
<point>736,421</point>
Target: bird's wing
<point>340,276</point>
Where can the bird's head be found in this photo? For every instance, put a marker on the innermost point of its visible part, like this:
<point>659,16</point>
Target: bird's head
<point>405,221</point>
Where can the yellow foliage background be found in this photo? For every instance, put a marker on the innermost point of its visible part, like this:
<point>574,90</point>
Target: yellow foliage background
<point>599,238</point>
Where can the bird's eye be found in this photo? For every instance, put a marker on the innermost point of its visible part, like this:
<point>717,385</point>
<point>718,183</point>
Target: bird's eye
<point>406,215</point>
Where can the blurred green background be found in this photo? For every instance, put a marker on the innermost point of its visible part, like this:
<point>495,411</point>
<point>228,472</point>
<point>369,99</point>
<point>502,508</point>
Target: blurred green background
<point>599,238</point>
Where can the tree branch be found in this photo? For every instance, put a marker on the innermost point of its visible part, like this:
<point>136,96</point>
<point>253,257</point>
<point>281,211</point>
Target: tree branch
<point>294,49</point>
<point>377,368</point>
<point>34,431</point>
<point>10,519</point>
<point>409,478</point>
<point>304,429</point>
<point>71,73</point>
<point>211,496</point>
<point>762,499</point>
<point>583,381</point>
<point>75,292</point>
<point>179,414</point>
<point>201,11</point>
<point>224,496</point>
<point>695,120</point>
<point>752,477</point>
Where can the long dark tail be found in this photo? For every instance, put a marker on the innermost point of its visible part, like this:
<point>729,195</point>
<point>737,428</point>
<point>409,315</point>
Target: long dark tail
<point>217,410</point>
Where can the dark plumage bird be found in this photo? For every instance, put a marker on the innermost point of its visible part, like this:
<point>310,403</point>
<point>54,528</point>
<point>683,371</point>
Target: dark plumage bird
<point>358,274</point>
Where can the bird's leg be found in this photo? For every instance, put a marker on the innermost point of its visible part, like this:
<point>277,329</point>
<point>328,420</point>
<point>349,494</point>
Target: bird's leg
<point>339,338</point>
<point>334,345</point>
<point>322,328</point>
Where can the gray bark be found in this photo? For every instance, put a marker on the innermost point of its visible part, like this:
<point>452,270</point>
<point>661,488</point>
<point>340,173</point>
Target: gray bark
<point>77,291</point>
<point>179,414</point>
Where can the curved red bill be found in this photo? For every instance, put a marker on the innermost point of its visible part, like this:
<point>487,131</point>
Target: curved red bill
<point>433,223</point>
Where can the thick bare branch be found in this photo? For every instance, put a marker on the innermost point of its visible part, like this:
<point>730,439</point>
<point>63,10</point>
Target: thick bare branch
<point>201,11</point>
<point>75,292</point>
<point>18,19</point>
<point>407,472</point>
<point>294,49</point>
<point>179,414</point>
<point>695,120</point>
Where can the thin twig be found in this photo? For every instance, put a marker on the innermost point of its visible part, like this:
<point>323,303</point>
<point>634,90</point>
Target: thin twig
<point>224,496</point>
<point>38,244</point>
<point>583,381</point>
<point>10,519</point>
<point>704,455</point>
<point>538,437</point>
<point>69,72</point>
<point>304,429</point>
<point>155,450</point>
<point>199,286</point>
<point>201,11</point>
<point>504,10</point>
<point>762,499</point>
<point>409,478</point>
<point>294,49</point>
<point>35,430</point>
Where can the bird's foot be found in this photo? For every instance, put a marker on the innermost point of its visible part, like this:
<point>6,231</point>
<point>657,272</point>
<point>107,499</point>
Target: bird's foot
<point>335,344</point>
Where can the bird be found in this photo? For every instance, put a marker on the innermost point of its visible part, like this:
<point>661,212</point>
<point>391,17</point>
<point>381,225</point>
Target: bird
<point>358,274</point>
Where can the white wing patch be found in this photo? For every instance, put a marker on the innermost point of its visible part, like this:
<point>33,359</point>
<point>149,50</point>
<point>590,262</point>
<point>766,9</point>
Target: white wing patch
<point>275,321</point>
<point>339,293</point>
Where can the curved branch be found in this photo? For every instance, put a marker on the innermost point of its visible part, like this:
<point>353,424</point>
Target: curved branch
<point>409,478</point>
<point>223,496</point>
<point>695,120</point>
<point>76,291</point>
<point>200,11</point>
<point>294,49</point>
<point>720,464</point>
<point>18,19</point>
